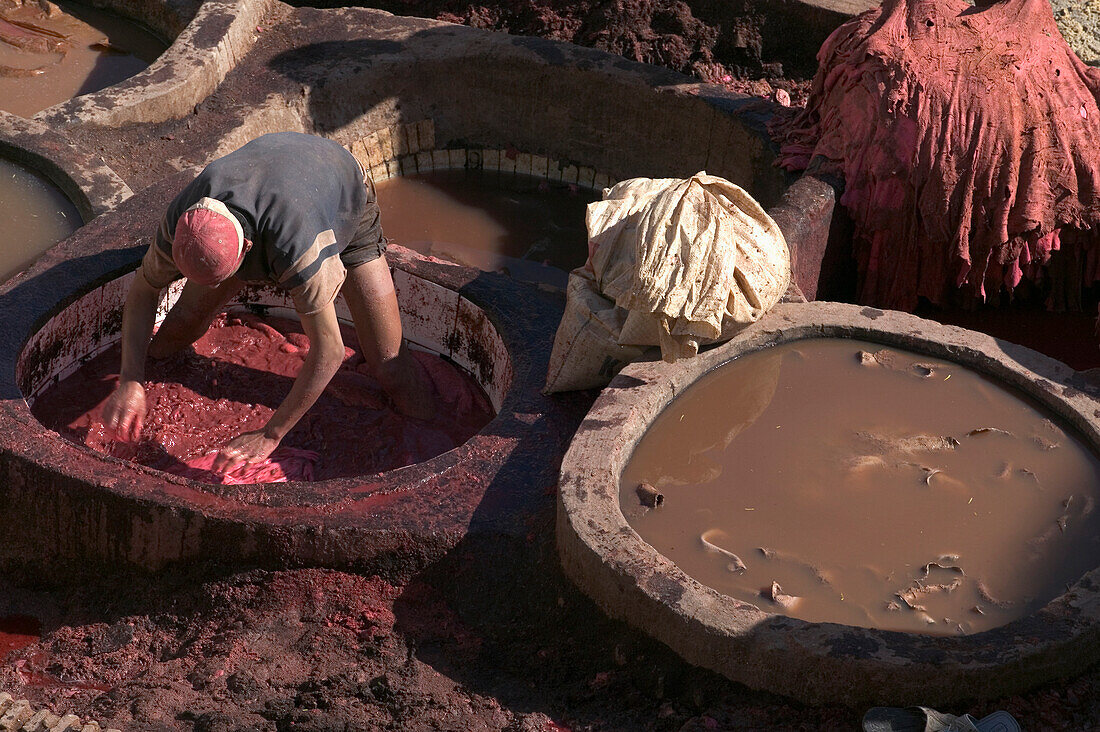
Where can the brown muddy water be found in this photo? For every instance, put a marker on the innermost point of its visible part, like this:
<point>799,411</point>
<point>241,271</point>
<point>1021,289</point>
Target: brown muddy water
<point>841,481</point>
<point>36,215</point>
<point>48,57</point>
<point>486,219</point>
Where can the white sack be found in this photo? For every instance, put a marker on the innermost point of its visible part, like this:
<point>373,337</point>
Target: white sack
<point>683,262</point>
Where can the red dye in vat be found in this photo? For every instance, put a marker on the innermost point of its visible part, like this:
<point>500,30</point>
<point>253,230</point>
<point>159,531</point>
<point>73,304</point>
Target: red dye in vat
<point>234,378</point>
<point>286,463</point>
<point>18,631</point>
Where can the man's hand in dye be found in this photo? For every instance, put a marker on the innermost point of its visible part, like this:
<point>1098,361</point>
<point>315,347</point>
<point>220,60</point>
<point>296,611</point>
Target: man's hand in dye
<point>124,411</point>
<point>250,447</point>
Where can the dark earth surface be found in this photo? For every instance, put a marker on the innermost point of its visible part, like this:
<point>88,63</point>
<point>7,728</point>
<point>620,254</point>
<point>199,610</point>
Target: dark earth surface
<point>744,44</point>
<point>490,637</point>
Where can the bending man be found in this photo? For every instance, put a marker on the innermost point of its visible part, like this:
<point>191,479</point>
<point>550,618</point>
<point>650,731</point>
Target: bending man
<point>288,209</point>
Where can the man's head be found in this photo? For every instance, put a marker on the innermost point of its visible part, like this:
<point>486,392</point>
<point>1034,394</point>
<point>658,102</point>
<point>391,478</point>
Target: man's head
<point>209,243</point>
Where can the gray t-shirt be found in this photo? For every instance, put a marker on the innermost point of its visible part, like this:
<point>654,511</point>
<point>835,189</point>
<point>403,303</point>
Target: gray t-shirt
<point>300,200</point>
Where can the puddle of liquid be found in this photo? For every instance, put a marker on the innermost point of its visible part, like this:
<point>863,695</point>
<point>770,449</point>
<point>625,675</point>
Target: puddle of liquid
<point>488,220</point>
<point>17,632</point>
<point>891,490</point>
<point>233,380</point>
<point>36,215</point>
<point>45,60</point>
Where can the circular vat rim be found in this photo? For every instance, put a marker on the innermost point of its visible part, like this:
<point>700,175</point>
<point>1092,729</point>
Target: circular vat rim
<point>84,178</point>
<point>816,663</point>
<point>71,343</point>
<point>218,36</point>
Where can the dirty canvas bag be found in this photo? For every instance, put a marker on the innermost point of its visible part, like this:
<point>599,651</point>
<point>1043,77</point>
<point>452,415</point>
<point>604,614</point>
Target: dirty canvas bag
<point>675,263</point>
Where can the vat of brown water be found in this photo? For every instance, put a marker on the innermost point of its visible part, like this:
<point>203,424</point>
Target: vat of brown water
<point>526,225</point>
<point>48,189</point>
<point>121,60</point>
<point>36,213</point>
<point>837,480</point>
<point>790,563</point>
<point>48,56</point>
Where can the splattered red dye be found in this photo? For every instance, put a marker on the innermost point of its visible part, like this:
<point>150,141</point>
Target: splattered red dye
<point>232,380</point>
<point>18,631</point>
<point>285,463</point>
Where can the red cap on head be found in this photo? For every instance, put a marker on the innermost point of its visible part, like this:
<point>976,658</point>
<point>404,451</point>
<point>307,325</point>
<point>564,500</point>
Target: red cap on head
<point>209,244</point>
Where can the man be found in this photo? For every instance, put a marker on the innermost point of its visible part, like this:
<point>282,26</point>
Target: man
<point>290,209</point>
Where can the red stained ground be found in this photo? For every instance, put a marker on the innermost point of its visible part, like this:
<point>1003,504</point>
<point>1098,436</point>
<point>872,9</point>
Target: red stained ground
<point>490,638</point>
<point>18,631</point>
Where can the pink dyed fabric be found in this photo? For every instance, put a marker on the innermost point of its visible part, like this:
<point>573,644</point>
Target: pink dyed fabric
<point>969,142</point>
<point>285,464</point>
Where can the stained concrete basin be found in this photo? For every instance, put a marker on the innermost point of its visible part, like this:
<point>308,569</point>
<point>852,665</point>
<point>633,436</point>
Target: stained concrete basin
<point>207,39</point>
<point>64,502</point>
<point>815,663</point>
<point>82,176</point>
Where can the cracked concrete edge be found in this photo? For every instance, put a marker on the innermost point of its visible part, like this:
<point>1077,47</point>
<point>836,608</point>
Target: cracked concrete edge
<point>814,663</point>
<point>83,177</point>
<point>221,33</point>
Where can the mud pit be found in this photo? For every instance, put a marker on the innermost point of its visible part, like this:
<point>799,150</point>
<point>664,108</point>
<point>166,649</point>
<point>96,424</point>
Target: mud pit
<point>489,220</point>
<point>232,381</point>
<point>942,504</point>
<point>36,214</point>
<point>49,56</point>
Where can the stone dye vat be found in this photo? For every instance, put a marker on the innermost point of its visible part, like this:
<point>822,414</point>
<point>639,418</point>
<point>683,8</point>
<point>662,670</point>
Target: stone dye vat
<point>37,214</point>
<point>66,310</point>
<point>835,480</point>
<point>85,327</point>
<point>748,638</point>
<point>523,224</point>
<point>231,382</point>
<point>48,56</point>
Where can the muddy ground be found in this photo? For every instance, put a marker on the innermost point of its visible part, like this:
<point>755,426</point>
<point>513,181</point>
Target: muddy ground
<point>751,46</point>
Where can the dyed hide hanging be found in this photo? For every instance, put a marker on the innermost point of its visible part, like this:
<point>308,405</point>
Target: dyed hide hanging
<point>969,142</point>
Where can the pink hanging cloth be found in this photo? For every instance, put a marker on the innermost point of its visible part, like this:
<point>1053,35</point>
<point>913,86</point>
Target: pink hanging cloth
<point>969,142</point>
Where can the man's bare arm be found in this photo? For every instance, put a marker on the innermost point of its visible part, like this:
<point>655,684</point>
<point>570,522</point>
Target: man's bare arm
<point>124,410</point>
<point>326,353</point>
